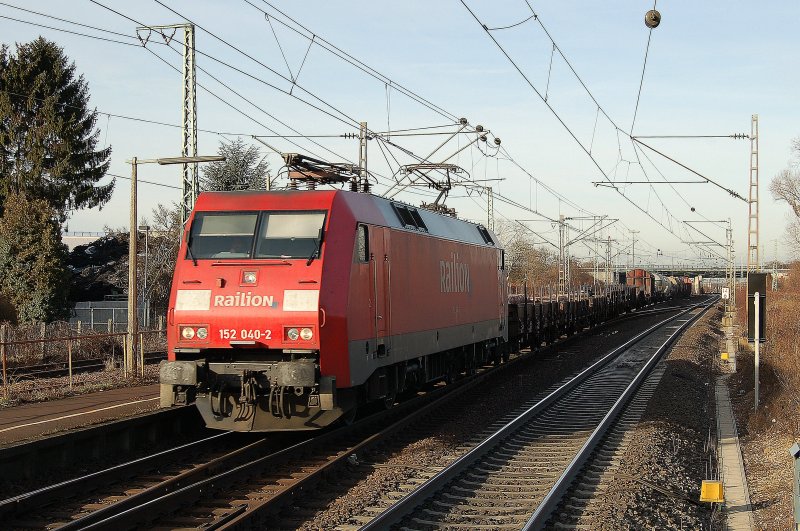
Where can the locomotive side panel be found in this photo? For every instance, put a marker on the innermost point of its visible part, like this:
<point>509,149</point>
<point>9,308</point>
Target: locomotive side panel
<point>429,295</point>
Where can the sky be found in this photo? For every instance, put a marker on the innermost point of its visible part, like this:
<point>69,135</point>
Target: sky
<point>558,86</point>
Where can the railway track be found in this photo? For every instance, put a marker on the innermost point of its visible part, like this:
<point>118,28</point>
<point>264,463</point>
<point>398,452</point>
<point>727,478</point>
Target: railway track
<point>519,476</point>
<point>150,490</point>
<point>231,488</point>
<point>61,368</point>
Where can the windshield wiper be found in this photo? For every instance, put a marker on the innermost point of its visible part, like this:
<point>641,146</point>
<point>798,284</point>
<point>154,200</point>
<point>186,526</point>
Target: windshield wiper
<point>317,248</point>
<point>189,247</point>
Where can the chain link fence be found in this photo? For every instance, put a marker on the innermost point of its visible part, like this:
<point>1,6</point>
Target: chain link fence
<point>62,349</point>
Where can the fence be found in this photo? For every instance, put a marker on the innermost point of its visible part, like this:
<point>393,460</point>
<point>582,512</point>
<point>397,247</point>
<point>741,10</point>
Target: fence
<point>95,315</point>
<point>58,346</point>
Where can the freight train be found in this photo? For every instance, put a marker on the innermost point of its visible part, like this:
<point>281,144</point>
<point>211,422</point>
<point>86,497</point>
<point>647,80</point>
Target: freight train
<point>290,309</point>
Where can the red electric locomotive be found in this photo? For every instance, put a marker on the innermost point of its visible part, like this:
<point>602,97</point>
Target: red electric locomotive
<point>290,308</point>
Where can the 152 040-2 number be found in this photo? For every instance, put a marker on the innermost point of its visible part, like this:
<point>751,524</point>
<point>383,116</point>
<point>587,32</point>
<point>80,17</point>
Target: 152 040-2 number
<point>244,333</point>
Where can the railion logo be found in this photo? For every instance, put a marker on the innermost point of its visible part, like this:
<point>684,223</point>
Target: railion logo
<point>246,300</point>
<point>453,276</point>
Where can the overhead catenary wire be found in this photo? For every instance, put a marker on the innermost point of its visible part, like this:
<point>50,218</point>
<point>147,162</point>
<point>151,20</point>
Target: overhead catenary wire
<point>558,117</point>
<point>646,211</point>
<point>45,26</point>
<point>331,48</point>
<point>348,120</point>
<point>52,17</point>
<point>405,150</point>
<point>161,3</point>
<point>228,87</point>
<point>355,123</point>
<point>132,118</point>
<point>294,83</point>
<point>641,80</point>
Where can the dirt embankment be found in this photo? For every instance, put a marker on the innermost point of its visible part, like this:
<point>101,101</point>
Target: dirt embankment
<point>768,433</point>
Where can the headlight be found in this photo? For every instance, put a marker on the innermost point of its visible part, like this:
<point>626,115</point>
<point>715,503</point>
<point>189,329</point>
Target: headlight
<point>306,334</point>
<point>187,332</point>
<point>292,334</point>
<point>202,333</point>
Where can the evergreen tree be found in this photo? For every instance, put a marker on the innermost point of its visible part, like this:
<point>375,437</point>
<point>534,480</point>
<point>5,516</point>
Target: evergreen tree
<point>245,168</point>
<point>33,274</point>
<point>47,131</point>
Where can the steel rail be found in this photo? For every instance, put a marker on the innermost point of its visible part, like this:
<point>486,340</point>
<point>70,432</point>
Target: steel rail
<point>46,495</point>
<point>111,515</point>
<point>548,505</point>
<point>395,513</point>
<point>143,506</point>
<point>144,512</point>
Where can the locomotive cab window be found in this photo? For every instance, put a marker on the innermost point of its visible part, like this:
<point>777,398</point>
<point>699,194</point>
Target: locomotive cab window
<point>222,235</point>
<point>362,244</point>
<point>290,235</point>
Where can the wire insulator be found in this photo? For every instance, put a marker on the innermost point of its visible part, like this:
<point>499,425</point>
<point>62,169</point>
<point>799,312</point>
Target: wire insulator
<point>652,19</point>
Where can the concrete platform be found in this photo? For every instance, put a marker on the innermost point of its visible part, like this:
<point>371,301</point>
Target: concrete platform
<point>737,507</point>
<point>31,421</point>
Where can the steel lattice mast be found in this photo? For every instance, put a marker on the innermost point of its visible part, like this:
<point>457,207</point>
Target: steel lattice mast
<point>753,262</point>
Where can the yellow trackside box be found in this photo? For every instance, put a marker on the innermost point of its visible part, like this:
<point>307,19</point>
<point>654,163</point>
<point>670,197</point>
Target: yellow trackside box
<point>712,491</point>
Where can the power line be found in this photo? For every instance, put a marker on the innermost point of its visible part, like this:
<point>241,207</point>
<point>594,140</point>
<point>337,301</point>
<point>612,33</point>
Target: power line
<point>353,122</point>
<point>138,180</point>
<point>326,45</point>
<point>558,117</point>
<point>358,64</point>
<point>70,31</point>
<point>69,21</point>
<point>131,118</point>
<point>222,100</point>
<point>413,95</point>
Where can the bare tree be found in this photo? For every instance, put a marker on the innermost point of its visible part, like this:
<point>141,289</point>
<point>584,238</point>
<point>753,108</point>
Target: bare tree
<point>786,187</point>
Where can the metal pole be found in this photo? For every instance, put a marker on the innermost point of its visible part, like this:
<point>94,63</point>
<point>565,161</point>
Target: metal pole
<point>3,355</point>
<point>757,331</point>
<point>133,321</point>
<point>125,368</point>
<point>113,340</point>
<point>362,157</point>
<point>43,334</point>
<point>141,356</point>
<point>69,361</point>
<point>145,297</point>
<point>753,258</point>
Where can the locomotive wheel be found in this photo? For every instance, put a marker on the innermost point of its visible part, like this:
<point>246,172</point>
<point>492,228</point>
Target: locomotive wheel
<point>349,416</point>
<point>389,400</point>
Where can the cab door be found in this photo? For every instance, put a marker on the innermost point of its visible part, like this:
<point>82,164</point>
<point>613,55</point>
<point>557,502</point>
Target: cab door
<point>380,278</point>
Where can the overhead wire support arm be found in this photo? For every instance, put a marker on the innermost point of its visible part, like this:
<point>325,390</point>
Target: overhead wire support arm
<point>684,166</point>
<point>585,234</point>
<point>604,183</point>
<point>736,136</point>
<point>397,188</point>
<point>545,240</point>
